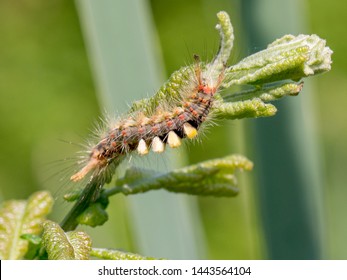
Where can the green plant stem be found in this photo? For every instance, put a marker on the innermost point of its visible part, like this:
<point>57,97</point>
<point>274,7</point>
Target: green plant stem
<point>89,195</point>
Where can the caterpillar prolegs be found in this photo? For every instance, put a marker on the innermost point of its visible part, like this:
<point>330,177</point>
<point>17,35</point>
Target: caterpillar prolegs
<point>176,111</point>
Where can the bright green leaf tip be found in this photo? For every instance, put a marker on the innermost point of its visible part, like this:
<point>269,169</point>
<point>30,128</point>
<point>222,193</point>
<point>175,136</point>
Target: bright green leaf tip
<point>218,64</point>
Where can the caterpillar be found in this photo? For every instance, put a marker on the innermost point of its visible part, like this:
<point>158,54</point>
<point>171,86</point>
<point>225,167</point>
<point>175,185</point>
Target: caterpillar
<point>191,98</point>
<point>140,132</point>
<point>177,111</point>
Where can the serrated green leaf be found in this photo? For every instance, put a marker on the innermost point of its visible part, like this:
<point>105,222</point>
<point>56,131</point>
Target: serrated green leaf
<point>108,254</point>
<point>213,177</point>
<point>22,217</point>
<point>59,245</point>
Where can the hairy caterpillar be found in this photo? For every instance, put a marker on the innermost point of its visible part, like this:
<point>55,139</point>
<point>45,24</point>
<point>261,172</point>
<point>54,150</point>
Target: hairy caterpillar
<point>189,99</point>
<point>177,111</point>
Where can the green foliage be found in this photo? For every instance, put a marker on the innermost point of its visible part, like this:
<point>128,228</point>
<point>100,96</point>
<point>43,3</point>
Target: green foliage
<point>226,32</point>
<point>213,177</point>
<point>17,218</point>
<point>180,80</point>
<point>266,93</point>
<point>60,245</point>
<point>252,108</point>
<point>272,74</point>
<point>93,216</point>
<point>268,72</point>
<point>288,58</point>
<point>108,254</point>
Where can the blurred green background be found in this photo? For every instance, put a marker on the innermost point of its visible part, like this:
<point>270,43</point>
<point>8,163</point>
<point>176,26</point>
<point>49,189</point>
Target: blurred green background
<point>51,95</point>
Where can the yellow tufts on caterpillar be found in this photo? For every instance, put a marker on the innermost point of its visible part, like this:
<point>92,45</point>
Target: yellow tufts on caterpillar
<point>190,131</point>
<point>142,148</point>
<point>173,140</point>
<point>157,145</point>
